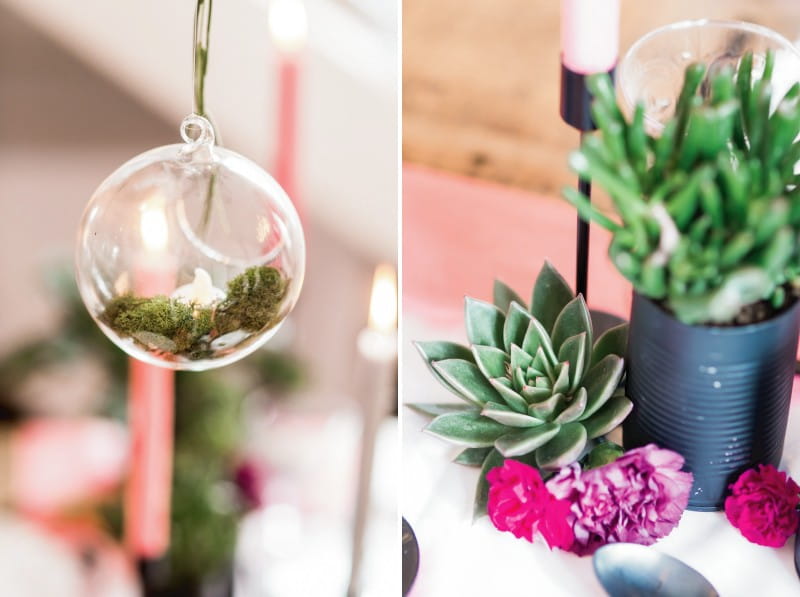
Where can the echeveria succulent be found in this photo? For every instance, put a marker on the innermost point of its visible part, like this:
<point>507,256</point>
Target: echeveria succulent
<point>535,385</point>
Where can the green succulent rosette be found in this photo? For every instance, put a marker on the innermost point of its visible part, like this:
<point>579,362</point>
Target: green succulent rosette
<point>535,384</point>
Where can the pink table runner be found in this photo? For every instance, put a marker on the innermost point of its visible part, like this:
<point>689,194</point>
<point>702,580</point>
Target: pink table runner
<point>459,234</point>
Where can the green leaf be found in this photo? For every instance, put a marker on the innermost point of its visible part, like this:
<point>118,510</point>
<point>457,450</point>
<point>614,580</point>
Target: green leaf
<point>587,210</point>
<point>519,358</point>
<point>504,295</point>
<point>536,337</point>
<point>484,323</point>
<point>440,351</point>
<point>434,410</point>
<point>551,293</point>
<point>490,360</point>
<point>603,454</point>
<point>561,384</point>
<point>564,448</point>
<point>546,408</point>
<point>573,320</point>
<point>472,456</point>
<point>573,351</point>
<point>466,429</point>
<point>532,373</point>
<point>542,363</point>
<point>601,381</point>
<point>612,341</point>
<point>609,417</point>
<point>467,379</point>
<point>518,443</point>
<point>575,408</point>
<point>505,415</point>
<point>534,394</point>
<point>512,398</point>
<point>516,326</point>
<point>740,287</point>
<point>493,460</point>
<point>518,380</point>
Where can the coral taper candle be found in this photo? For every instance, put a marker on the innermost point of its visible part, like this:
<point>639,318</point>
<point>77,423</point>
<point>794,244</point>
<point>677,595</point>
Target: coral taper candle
<point>151,405</point>
<point>288,29</point>
<point>287,125</point>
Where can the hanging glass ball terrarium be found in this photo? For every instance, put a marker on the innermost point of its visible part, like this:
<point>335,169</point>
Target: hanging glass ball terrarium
<point>190,256</point>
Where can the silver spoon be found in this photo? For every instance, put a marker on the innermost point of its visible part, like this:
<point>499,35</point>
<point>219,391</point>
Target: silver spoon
<point>630,570</point>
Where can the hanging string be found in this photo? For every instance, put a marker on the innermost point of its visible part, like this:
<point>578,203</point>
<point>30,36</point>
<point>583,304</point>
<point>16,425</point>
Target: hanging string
<point>202,35</point>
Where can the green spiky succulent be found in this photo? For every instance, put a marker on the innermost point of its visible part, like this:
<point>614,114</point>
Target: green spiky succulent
<point>534,384</point>
<point>709,211</point>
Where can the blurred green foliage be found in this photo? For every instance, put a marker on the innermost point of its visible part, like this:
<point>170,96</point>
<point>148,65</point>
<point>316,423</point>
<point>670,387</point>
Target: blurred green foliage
<point>208,426</point>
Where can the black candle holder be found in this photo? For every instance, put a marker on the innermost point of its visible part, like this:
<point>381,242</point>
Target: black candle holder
<point>576,103</point>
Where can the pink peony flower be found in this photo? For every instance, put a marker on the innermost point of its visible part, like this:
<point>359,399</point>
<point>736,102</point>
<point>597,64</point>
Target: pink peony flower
<point>520,503</point>
<point>763,506</point>
<point>638,498</point>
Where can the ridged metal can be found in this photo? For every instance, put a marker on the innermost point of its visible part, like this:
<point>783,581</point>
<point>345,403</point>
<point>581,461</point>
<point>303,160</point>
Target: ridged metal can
<point>719,396</point>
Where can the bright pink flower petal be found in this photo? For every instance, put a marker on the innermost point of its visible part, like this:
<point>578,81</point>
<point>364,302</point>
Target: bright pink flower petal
<point>763,506</point>
<point>638,498</point>
<point>519,503</point>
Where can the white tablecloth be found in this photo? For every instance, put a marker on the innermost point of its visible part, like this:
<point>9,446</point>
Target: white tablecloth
<point>462,559</point>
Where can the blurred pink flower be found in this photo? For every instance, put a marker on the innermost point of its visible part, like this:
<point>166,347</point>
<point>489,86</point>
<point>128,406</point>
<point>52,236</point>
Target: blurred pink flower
<point>520,503</point>
<point>249,480</point>
<point>763,506</point>
<point>58,462</point>
<point>638,498</point>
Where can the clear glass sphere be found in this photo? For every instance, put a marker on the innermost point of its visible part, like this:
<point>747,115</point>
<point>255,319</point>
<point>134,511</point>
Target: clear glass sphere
<point>653,68</point>
<point>190,256</point>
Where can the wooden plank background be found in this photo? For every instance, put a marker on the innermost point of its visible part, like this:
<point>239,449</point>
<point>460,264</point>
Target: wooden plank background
<point>481,80</point>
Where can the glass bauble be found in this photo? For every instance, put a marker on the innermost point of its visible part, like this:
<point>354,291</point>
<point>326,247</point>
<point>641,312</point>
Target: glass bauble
<point>653,68</point>
<point>190,256</point>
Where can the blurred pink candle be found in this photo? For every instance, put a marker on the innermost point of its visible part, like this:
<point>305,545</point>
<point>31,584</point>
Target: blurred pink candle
<point>287,125</point>
<point>589,35</point>
<point>288,29</point>
<point>151,404</point>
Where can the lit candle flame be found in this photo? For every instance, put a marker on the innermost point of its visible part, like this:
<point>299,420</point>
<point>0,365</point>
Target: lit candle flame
<point>288,24</point>
<point>383,302</point>
<point>153,225</point>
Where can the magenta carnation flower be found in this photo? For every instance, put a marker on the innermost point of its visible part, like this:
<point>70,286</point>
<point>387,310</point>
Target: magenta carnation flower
<point>520,503</point>
<point>638,498</point>
<point>249,480</point>
<point>763,506</point>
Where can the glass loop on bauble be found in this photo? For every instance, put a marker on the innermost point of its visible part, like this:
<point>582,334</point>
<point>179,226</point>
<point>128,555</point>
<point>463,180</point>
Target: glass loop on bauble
<point>190,256</point>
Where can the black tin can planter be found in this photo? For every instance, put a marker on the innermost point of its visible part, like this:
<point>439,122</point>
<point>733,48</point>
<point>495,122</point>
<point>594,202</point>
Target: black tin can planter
<point>719,396</point>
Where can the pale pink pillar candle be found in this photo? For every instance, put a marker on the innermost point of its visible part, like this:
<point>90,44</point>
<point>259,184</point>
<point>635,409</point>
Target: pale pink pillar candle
<point>589,35</point>
<point>151,405</point>
<point>285,166</point>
